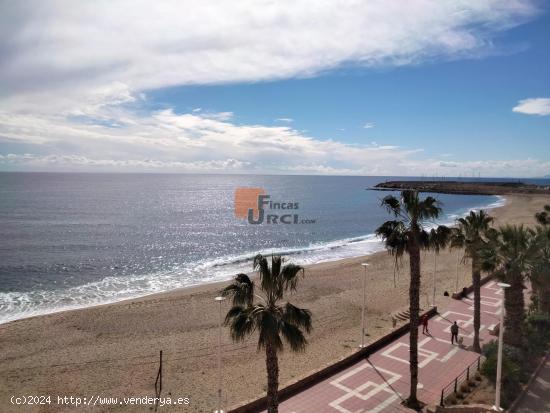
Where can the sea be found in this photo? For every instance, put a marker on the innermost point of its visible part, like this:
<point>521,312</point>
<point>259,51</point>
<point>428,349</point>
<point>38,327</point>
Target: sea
<point>72,240</point>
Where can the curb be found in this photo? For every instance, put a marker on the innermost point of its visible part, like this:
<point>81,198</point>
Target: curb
<point>459,295</point>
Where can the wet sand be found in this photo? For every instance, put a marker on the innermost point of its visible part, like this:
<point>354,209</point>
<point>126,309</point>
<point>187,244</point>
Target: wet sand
<point>112,350</point>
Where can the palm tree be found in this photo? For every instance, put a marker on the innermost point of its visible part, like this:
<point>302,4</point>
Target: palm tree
<point>540,273</point>
<point>471,234</point>
<point>512,254</point>
<point>272,319</point>
<point>406,234</point>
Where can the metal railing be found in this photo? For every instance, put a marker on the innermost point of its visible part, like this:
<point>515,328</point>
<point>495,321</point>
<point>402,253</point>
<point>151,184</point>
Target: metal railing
<point>465,375</point>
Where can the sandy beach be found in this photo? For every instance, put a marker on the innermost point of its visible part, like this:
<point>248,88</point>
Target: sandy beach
<point>112,350</point>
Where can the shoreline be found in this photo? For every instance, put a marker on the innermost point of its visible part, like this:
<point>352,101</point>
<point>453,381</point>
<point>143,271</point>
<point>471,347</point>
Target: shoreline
<point>501,202</point>
<point>113,349</point>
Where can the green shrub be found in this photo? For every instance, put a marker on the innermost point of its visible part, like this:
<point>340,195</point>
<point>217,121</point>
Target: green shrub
<point>517,363</point>
<point>451,400</point>
<point>490,349</point>
<point>537,333</point>
<point>512,373</point>
<point>540,321</point>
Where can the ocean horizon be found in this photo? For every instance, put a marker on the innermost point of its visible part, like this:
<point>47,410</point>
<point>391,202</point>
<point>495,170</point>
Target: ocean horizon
<point>73,240</point>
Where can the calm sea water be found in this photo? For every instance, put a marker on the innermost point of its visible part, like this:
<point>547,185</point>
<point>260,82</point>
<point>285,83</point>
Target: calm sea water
<point>74,240</point>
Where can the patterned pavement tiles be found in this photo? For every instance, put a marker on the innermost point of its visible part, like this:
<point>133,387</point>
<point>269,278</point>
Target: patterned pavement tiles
<point>380,382</point>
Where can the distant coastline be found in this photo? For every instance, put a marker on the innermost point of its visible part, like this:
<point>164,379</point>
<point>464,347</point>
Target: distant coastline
<point>464,188</point>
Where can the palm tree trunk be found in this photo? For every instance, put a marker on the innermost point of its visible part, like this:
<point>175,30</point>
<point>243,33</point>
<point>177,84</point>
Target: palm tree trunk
<point>541,291</point>
<point>476,281</point>
<point>414,309</point>
<point>272,367</point>
<point>515,312</point>
<point>536,294</point>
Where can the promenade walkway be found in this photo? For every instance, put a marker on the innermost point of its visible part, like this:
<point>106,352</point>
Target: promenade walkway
<point>381,382</point>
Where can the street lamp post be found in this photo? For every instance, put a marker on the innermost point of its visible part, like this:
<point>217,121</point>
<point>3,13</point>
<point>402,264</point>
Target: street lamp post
<point>499,359</point>
<point>435,270</point>
<point>220,410</point>
<point>457,262</point>
<point>365,265</point>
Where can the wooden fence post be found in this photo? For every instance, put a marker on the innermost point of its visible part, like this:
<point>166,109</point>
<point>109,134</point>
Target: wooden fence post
<point>158,383</point>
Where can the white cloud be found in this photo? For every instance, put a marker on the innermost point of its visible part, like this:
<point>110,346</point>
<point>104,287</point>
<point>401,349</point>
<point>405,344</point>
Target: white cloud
<point>218,115</point>
<point>369,125</point>
<point>534,106</point>
<point>400,165</point>
<point>72,47</point>
<point>285,120</point>
<point>72,161</point>
<point>120,136</point>
<point>447,164</point>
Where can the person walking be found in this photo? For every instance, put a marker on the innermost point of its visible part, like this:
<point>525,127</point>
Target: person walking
<point>454,333</point>
<point>425,324</point>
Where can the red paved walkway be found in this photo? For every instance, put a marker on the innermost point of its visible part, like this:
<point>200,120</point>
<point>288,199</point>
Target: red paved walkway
<point>379,383</point>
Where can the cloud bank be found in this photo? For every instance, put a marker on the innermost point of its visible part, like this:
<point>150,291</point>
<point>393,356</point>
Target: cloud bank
<point>78,46</point>
<point>105,136</point>
<point>74,78</point>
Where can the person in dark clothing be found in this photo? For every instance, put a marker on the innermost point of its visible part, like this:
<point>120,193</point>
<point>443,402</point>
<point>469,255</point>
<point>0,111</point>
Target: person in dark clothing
<point>425,324</point>
<point>454,333</point>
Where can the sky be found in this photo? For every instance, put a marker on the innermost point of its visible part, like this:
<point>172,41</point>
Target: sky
<point>423,87</point>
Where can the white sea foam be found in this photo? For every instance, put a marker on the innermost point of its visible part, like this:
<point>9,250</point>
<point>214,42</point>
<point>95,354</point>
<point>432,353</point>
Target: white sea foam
<point>17,305</point>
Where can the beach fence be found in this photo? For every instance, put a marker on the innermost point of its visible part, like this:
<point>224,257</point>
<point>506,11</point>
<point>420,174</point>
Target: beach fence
<point>453,386</point>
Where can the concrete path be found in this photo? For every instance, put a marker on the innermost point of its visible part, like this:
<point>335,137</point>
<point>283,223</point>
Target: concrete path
<point>537,398</point>
<point>381,382</point>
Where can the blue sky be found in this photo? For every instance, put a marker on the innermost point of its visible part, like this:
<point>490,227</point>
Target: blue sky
<point>453,92</point>
<point>449,107</point>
